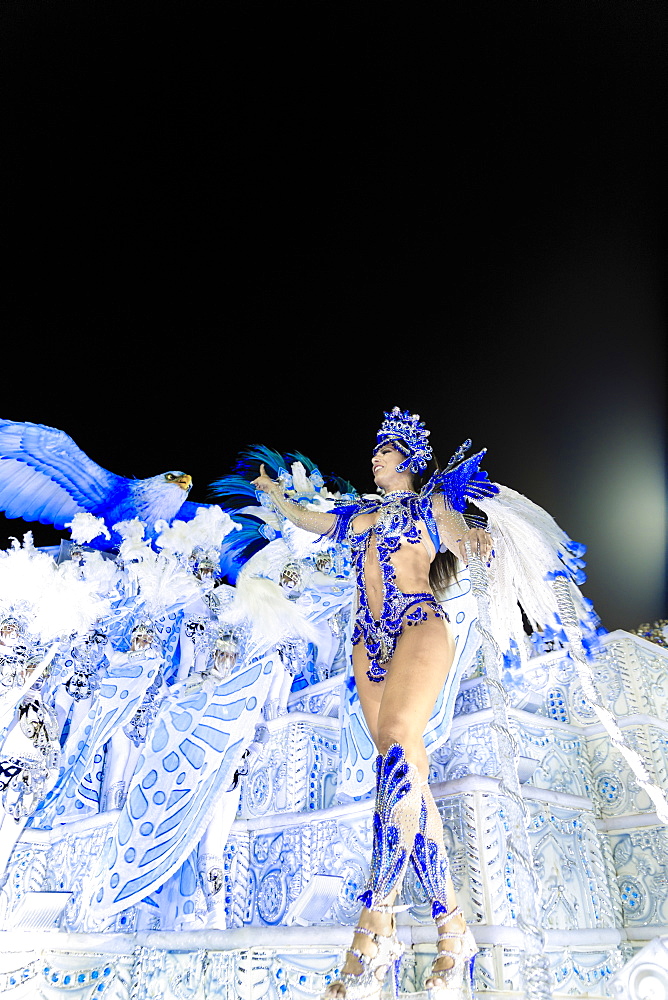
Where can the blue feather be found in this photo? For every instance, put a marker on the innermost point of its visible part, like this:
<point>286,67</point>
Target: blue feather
<point>239,546</point>
<point>236,492</point>
<point>465,480</point>
<point>247,467</point>
<point>251,458</point>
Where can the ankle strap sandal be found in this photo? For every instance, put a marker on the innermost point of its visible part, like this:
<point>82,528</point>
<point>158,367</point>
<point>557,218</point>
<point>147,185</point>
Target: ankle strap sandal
<point>456,982</point>
<point>368,983</point>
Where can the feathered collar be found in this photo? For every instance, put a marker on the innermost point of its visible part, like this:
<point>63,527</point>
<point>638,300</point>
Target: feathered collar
<point>464,482</point>
<point>458,485</point>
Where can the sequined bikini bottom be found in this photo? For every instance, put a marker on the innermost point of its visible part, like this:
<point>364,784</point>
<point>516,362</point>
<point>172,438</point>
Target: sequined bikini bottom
<point>380,637</point>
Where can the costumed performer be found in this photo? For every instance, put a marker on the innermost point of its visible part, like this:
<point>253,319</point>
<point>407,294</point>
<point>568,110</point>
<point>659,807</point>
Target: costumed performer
<point>402,652</point>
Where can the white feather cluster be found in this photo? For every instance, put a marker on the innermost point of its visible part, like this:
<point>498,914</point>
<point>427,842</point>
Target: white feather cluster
<point>164,584</point>
<point>304,487</point>
<point>54,601</point>
<point>267,563</point>
<point>527,541</point>
<point>134,547</point>
<point>260,605</point>
<point>86,527</point>
<point>102,575</point>
<point>206,531</point>
<point>301,482</point>
<point>301,543</point>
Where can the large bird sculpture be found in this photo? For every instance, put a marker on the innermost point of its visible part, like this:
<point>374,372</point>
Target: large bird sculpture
<point>46,477</point>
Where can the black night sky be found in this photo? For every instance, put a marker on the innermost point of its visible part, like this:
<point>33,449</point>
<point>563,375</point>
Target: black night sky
<point>243,223</point>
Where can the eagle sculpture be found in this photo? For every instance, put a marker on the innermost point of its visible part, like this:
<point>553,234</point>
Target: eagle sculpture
<point>46,477</point>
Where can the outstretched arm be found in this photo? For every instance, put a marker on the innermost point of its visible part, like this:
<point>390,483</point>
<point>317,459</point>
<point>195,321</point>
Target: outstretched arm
<point>320,522</point>
<point>454,532</point>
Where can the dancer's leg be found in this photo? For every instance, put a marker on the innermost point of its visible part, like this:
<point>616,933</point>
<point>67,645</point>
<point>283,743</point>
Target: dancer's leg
<point>401,717</point>
<point>430,862</point>
<point>397,711</point>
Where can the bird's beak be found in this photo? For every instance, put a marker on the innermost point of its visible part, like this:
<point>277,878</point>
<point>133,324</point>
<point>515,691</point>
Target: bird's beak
<point>185,481</point>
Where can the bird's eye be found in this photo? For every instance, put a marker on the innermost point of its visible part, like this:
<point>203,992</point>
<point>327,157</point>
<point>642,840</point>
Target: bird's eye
<point>169,477</point>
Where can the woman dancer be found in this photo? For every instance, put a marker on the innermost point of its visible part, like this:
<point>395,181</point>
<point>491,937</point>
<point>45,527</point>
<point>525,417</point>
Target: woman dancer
<point>402,652</point>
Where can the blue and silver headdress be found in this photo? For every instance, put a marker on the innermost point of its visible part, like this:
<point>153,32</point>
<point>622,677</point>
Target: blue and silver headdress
<point>407,433</point>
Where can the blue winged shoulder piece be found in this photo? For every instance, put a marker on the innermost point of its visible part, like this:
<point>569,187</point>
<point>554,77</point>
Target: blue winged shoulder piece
<point>464,482</point>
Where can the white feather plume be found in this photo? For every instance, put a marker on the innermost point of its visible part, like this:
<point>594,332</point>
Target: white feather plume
<point>134,548</point>
<point>301,482</point>
<point>164,584</point>
<point>527,542</point>
<point>268,562</point>
<point>206,531</point>
<point>53,600</point>
<point>260,605</point>
<point>102,575</point>
<point>85,527</point>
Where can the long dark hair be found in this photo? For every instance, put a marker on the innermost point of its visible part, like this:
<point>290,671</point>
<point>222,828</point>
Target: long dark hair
<point>443,569</point>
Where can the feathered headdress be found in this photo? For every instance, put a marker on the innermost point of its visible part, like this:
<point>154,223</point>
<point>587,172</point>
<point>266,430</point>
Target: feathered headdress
<point>409,436</point>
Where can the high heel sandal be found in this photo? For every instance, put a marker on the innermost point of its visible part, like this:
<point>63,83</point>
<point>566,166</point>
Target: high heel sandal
<point>395,822</point>
<point>430,863</point>
<point>457,980</point>
<point>367,984</point>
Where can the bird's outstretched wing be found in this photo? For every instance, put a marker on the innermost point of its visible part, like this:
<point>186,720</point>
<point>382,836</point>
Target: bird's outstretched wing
<point>46,477</point>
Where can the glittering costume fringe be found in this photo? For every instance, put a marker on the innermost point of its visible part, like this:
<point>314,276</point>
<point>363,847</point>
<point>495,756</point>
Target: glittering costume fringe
<point>395,824</point>
<point>429,857</point>
<point>430,862</point>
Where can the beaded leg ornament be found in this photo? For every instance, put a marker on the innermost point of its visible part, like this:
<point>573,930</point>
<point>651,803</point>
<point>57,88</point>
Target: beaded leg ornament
<point>395,823</point>
<point>431,865</point>
<point>429,857</point>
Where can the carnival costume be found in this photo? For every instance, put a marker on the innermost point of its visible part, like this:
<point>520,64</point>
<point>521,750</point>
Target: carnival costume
<point>406,822</point>
<point>401,515</point>
<point>534,551</point>
<point>400,831</point>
